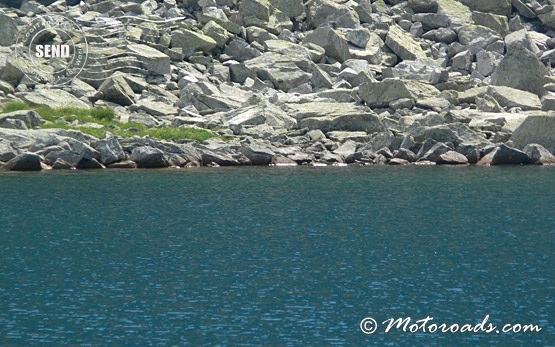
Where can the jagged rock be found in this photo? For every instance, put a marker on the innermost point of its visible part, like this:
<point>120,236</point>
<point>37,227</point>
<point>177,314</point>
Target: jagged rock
<point>7,151</point>
<point>109,149</point>
<point>149,157</point>
<point>116,89</point>
<point>422,69</point>
<point>539,155</point>
<point>326,11</point>
<point>548,102</point>
<point>258,154</point>
<point>471,152</point>
<point>30,118</point>
<point>240,50</point>
<point>335,45</point>
<point>477,37</point>
<point>191,41</point>
<point>520,69</point>
<point>380,94</point>
<point>403,44</point>
<point>24,162</point>
<point>510,97</point>
<point>524,9</point>
<point>504,155</point>
<point>291,8</point>
<point>536,128</point>
<point>486,62</point>
<point>254,11</point>
<point>8,28</point>
<point>265,113</point>
<point>54,98</point>
<point>151,59</point>
<point>216,32</point>
<point>452,158</point>
<point>458,13</point>
<point>497,23</point>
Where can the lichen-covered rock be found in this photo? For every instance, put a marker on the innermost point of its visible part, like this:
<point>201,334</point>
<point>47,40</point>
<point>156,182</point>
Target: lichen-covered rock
<point>536,128</point>
<point>334,44</point>
<point>190,42</point>
<point>116,89</point>
<point>54,98</point>
<point>8,28</point>
<point>380,94</point>
<point>520,69</point>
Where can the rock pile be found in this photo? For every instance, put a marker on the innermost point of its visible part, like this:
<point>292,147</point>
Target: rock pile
<point>292,82</point>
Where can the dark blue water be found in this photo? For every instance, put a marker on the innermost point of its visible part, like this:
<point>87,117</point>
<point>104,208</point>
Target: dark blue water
<point>276,256</point>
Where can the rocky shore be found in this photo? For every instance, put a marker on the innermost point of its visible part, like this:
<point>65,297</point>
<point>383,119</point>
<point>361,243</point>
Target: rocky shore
<point>292,82</point>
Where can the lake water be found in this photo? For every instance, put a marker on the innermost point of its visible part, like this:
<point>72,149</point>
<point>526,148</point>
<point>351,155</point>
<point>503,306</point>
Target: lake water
<point>276,256</point>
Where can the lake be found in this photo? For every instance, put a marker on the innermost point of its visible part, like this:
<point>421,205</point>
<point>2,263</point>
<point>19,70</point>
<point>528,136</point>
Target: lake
<point>276,256</point>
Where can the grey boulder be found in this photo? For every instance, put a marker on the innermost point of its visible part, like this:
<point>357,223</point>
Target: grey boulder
<point>24,162</point>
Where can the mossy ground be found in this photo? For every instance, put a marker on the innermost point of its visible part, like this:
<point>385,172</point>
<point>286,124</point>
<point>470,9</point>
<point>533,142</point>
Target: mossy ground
<point>62,118</point>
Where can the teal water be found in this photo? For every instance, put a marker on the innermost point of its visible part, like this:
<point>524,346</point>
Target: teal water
<point>275,256</point>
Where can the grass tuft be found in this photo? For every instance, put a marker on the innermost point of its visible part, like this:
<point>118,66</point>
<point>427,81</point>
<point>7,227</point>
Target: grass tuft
<point>60,118</point>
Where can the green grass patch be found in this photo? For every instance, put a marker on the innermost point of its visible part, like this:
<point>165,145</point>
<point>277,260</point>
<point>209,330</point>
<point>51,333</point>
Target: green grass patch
<point>60,118</point>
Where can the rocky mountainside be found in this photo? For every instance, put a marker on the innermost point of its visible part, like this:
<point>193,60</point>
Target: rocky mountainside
<point>289,82</point>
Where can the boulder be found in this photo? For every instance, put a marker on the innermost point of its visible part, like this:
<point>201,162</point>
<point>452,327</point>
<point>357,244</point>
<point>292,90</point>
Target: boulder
<point>504,155</point>
<point>458,13</point>
<point>521,69</point>
<point>54,98</point>
<point>510,97</point>
<point>216,32</point>
<point>109,149</point>
<point>539,155</point>
<point>149,157</point>
<point>258,154</point>
<point>291,8</point>
<point>536,128</point>
<point>24,162</point>
<point>152,60</point>
<point>254,11</point>
<point>191,41</point>
<point>380,94</point>
<point>116,89</point>
<point>423,6</point>
<point>403,44</point>
<point>327,11</point>
<point>432,20</point>
<point>334,44</point>
<point>8,28</point>
<point>452,158</point>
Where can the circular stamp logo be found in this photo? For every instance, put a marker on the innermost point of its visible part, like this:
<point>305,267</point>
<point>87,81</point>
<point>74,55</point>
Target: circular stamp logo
<point>51,49</point>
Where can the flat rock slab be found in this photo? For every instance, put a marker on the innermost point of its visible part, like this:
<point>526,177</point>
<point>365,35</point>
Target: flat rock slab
<point>54,98</point>
<point>511,97</point>
<point>152,59</point>
<point>380,94</point>
<point>536,128</point>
